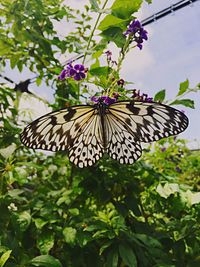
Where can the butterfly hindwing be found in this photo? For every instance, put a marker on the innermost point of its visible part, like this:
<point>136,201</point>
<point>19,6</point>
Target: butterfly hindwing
<point>149,121</point>
<point>122,144</point>
<point>88,147</point>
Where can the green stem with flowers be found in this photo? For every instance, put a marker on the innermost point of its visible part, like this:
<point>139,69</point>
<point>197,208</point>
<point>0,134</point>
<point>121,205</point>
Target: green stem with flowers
<point>125,49</point>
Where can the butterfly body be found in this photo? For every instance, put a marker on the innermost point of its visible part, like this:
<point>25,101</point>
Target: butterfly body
<point>89,131</point>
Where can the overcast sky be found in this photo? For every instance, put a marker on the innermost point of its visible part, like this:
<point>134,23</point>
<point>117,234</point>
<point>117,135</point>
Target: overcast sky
<point>170,56</point>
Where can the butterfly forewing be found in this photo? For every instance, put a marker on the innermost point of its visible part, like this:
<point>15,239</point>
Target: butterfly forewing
<point>76,129</point>
<point>149,121</point>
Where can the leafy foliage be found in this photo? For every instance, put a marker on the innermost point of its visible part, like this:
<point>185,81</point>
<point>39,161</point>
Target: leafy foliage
<point>108,215</point>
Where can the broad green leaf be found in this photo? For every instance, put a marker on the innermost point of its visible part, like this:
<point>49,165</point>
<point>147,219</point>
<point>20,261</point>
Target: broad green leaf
<point>14,60</point>
<point>148,241</point>
<point>4,48</point>
<point>115,35</point>
<point>125,8</point>
<point>183,87</point>
<point>160,96</point>
<point>112,259</point>
<point>5,257</point>
<point>24,220</point>
<point>104,246</point>
<point>39,223</point>
<point>127,255</point>
<point>100,71</point>
<point>45,242</point>
<point>74,211</point>
<point>45,261</point>
<point>15,193</point>
<point>184,102</point>
<point>69,235</point>
<point>111,21</point>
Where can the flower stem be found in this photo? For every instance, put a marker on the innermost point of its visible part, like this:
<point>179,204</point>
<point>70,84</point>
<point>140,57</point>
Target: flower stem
<point>122,55</point>
<point>92,32</point>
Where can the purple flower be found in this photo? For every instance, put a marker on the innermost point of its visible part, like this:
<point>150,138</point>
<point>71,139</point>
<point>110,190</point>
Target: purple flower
<point>77,72</point>
<point>62,75</point>
<point>108,100</point>
<point>105,99</point>
<point>116,95</point>
<point>144,97</point>
<point>137,32</point>
<point>149,99</point>
<point>94,99</point>
<point>109,55</point>
<point>163,149</point>
<point>120,82</point>
<point>178,169</point>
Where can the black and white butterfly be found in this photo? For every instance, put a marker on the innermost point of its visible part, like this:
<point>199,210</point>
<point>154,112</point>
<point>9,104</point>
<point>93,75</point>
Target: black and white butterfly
<point>89,131</point>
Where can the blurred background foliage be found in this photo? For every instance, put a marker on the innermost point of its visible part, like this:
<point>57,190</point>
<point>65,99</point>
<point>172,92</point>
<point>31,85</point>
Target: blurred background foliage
<point>54,214</point>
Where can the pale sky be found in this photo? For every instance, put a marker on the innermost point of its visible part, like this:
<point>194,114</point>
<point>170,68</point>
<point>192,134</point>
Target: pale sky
<point>170,56</point>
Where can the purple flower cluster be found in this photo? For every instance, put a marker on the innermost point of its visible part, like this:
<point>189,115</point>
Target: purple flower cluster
<point>105,99</point>
<point>77,72</point>
<point>109,57</point>
<point>144,97</point>
<point>137,32</point>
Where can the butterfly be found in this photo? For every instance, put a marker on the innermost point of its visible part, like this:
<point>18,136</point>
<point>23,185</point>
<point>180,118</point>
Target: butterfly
<point>89,131</point>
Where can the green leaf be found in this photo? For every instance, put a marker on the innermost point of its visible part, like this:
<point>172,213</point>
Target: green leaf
<point>74,211</point>
<point>114,34</point>
<point>149,241</point>
<point>14,60</point>
<point>112,259</point>
<point>94,5</point>
<point>160,96</point>
<point>183,87</point>
<point>69,235</point>
<point>15,193</point>
<point>39,223</point>
<point>45,242</point>
<point>38,81</point>
<point>5,48</point>
<point>24,220</point>
<point>125,8</point>
<point>127,256</point>
<point>45,261</point>
<point>184,102</point>
<point>100,71</point>
<point>111,21</point>
<point>5,257</point>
